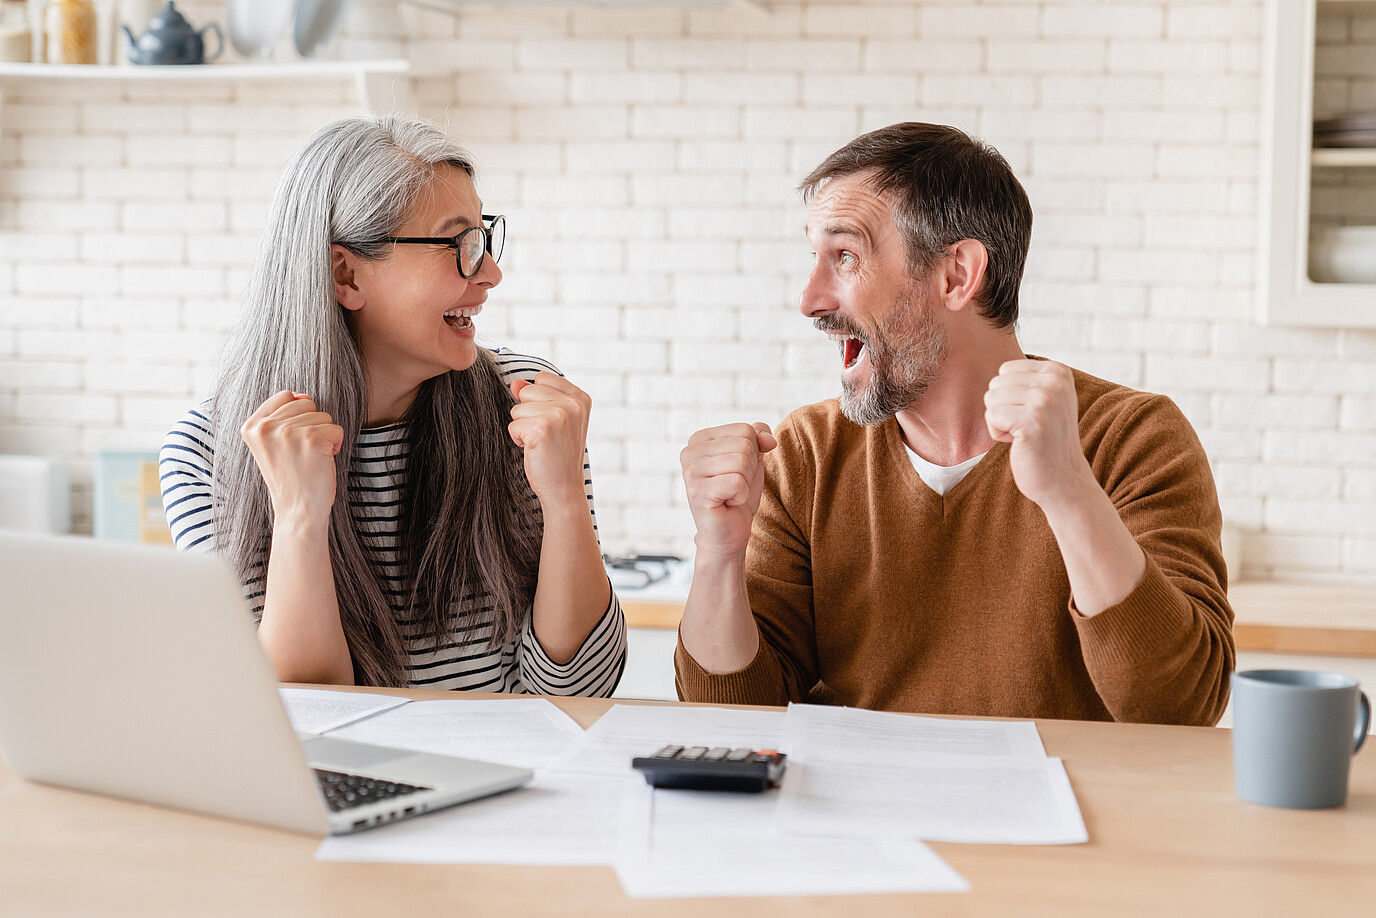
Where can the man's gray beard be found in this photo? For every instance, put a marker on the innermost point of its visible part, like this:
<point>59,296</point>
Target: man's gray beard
<point>901,372</point>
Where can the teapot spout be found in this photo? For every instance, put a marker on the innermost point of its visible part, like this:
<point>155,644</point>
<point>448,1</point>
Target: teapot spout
<point>130,46</point>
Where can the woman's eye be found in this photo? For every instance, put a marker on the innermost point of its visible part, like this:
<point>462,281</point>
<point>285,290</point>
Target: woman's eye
<point>847,259</point>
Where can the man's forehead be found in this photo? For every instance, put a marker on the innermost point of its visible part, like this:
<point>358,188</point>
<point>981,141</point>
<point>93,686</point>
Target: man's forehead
<point>848,205</point>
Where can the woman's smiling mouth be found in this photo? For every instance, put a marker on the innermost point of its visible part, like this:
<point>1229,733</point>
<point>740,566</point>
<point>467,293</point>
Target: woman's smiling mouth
<point>462,317</point>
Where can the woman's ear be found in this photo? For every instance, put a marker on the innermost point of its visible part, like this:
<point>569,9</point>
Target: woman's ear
<point>343,265</point>
<point>964,273</point>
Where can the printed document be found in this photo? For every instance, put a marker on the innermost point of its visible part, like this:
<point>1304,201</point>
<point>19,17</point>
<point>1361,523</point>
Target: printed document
<point>556,819</point>
<point>870,774</point>
<point>627,731</point>
<point>525,732</point>
<point>703,843</point>
<point>953,799</point>
<point>319,711</point>
<point>854,733</point>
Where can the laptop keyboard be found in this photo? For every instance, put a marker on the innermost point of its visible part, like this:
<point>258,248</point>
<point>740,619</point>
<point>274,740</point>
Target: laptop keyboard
<point>344,791</point>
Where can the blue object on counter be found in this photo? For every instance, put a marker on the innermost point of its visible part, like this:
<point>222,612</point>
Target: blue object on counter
<point>170,39</point>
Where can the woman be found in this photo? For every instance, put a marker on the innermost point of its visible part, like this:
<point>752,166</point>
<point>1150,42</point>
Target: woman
<point>405,508</point>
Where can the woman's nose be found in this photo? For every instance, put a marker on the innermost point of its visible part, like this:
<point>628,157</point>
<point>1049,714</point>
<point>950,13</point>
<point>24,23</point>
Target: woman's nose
<point>489,275</point>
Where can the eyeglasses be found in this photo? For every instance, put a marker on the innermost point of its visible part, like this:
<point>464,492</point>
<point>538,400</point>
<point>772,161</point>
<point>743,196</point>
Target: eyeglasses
<point>635,572</point>
<point>469,246</point>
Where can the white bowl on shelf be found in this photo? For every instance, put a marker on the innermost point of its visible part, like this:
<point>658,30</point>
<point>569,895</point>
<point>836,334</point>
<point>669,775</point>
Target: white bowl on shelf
<point>254,26</point>
<point>1343,255</point>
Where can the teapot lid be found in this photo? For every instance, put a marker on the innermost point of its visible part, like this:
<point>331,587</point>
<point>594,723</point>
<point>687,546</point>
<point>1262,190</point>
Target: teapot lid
<point>169,19</point>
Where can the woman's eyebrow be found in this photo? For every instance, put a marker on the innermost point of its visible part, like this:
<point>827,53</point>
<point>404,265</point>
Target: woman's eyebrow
<point>454,223</point>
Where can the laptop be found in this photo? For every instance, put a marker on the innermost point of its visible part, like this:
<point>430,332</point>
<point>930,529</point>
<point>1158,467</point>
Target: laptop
<point>135,671</point>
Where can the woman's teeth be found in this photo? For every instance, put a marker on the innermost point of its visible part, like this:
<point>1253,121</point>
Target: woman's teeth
<point>461,318</point>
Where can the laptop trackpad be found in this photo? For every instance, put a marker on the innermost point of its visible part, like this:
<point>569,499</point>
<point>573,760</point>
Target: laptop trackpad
<point>343,755</point>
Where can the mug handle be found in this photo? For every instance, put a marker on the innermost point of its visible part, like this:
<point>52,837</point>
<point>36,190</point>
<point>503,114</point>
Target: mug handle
<point>219,43</point>
<point>1363,721</point>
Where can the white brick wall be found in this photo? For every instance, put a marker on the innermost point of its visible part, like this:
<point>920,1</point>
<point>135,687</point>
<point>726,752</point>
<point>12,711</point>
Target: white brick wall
<point>647,161</point>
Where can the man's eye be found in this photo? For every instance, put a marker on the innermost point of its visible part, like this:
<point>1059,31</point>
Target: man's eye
<point>847,258</point>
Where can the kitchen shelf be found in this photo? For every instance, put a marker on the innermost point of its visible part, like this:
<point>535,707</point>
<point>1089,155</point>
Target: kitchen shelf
<point>1342,157</point>
<point>381,84</point>
<point>1287,296</point>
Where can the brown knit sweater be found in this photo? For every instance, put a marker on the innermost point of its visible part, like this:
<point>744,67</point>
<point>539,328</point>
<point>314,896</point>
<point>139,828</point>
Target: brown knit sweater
<point>872,590</point>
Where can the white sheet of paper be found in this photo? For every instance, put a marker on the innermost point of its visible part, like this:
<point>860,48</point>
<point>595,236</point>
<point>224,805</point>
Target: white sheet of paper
<point>815,732</point>
<point>525,732</point>
<point>949,798</point>
<point>556,819</point>
<point>864,774</point>
<point>318,710</point>
<point>701,843</point>
<point>627,731</point>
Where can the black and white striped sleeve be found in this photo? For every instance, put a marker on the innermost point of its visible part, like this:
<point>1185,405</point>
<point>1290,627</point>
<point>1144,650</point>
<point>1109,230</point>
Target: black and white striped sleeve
<point>185,470</point>
<point>594,670</point>
<point>596,667</point>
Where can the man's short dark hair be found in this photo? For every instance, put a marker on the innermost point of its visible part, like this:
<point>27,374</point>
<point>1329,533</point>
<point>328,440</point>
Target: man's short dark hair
<point>944,186</point>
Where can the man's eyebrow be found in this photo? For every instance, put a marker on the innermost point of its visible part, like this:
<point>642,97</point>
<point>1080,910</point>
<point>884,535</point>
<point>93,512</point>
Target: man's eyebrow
<point>840,229</point>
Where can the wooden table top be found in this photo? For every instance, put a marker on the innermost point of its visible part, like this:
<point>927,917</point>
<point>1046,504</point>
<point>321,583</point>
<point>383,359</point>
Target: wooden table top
<point>1277,616</point>
<point>1167,837</point>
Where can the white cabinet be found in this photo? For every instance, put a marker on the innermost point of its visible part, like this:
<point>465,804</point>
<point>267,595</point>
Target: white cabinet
<point>1290,166</point>
<point>649,665</point>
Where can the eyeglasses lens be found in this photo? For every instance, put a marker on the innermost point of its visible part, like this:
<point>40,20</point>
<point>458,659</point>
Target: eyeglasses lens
<point>496,238</point>
<point>470,251</point>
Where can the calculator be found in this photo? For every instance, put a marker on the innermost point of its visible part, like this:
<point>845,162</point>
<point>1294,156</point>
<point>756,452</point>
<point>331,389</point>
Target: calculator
<point>713,768</point>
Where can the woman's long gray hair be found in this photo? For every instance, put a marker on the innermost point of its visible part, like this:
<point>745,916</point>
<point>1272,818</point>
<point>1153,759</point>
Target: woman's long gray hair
<point>469,522</point>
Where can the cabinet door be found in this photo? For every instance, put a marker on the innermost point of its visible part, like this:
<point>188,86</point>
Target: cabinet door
<point>1287,296</point>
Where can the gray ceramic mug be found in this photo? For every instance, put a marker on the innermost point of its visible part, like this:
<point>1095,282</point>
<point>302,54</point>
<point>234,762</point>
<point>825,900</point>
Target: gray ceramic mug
<point>1294,735</point>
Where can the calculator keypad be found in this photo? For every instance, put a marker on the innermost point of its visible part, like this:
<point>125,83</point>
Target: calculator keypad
<point>712,768</point>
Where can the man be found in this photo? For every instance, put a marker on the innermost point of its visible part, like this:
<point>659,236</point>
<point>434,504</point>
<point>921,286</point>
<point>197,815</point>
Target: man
<point>969,530</point>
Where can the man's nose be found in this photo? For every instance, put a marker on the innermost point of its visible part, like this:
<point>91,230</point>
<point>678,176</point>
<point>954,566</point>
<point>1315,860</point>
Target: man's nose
<point>817,298</point>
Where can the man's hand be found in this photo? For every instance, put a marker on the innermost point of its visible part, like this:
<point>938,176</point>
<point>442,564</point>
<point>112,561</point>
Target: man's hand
<point>295,446</point>
<point>723,477</point>
<point>1031,404</point>
<point>550,423</point>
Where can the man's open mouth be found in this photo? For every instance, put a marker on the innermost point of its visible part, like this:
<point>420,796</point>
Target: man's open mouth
<point>850,347</point>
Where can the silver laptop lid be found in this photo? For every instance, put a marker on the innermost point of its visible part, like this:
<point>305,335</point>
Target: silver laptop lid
<point>133,671</point>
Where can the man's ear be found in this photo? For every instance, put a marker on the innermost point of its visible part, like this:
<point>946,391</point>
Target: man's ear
<point>343,265</point>
<point>963,273</point>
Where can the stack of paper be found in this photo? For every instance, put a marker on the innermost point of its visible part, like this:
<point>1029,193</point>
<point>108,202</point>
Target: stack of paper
<point>866,774</point>
<point>703,843</point>
<point>696,843</point>
<point>861,792</point>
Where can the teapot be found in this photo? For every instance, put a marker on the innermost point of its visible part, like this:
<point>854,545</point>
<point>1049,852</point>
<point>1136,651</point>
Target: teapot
<point>169,39</point>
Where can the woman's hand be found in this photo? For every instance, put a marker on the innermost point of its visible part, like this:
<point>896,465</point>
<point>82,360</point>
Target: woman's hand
<point>294,446</point>
<point>550,423</point>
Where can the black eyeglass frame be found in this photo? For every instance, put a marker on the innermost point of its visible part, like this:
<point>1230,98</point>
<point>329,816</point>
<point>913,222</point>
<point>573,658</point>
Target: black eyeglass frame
<point>490,223</point>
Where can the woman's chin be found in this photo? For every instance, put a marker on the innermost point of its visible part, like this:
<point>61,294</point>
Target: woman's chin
<point>464,356</point>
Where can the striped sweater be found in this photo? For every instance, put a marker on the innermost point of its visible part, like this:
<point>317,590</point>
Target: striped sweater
<point>465,661</point>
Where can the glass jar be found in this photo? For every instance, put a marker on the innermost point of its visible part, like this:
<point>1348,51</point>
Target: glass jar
<point>69,28</point>
<point>16,39</point>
